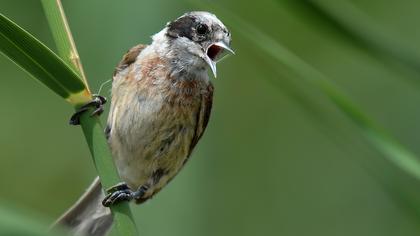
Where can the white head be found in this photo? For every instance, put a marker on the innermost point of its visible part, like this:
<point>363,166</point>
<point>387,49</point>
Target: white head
<point>198,35</point>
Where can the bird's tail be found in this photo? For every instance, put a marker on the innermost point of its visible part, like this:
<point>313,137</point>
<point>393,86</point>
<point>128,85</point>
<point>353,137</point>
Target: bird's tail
<point>87,216</point>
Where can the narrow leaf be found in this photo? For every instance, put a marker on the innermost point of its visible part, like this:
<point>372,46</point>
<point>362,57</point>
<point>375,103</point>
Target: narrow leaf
<point>40,62</point>
<point>61,32</point>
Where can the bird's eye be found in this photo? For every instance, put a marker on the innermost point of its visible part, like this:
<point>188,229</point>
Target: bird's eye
<point>202,29</point>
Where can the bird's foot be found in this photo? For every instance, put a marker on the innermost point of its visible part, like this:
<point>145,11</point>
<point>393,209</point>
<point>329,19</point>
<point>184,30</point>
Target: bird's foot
<point>121,192</point>
<point>97,103</point>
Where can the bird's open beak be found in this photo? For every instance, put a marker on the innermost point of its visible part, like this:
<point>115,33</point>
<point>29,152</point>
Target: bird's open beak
<point>215,53</point>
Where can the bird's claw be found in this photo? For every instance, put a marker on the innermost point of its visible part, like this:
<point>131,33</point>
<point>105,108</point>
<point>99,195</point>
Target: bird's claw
<point>118,196</point>
<point>118,187</point>
<point>121,192</point>
<point>117,193</point>
<point>97,102</point>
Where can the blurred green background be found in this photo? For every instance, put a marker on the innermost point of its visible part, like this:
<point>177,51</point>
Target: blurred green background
<point>278,158</point>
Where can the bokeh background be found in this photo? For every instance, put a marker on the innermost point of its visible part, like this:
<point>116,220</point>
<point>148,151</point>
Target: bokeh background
<point>280,155</point>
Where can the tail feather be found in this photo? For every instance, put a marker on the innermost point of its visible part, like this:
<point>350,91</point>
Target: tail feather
<point>87,217</point>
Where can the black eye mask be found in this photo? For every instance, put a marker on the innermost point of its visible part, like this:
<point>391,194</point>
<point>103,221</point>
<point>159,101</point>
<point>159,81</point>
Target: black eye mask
<point>188,27</point>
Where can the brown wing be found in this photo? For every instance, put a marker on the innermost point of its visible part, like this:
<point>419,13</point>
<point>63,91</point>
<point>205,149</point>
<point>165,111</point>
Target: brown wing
<point>203,116</point>
<point>129,58</point>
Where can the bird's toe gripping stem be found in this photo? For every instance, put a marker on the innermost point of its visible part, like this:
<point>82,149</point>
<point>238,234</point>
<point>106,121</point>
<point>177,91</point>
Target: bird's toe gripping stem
<point>121,192</point>
<point>97,103</point>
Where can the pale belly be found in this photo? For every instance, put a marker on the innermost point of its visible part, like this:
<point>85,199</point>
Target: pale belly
<point>151,141</point>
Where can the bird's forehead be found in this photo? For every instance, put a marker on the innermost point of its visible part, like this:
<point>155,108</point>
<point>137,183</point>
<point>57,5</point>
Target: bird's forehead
<point>193,18</point>
<point>206,17</point>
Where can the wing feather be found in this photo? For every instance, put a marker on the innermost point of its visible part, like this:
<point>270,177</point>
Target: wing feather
<point>129,58</point>
<point>203,116</point>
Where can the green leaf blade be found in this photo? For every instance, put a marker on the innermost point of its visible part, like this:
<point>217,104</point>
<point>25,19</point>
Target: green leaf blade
<point>40,62</point>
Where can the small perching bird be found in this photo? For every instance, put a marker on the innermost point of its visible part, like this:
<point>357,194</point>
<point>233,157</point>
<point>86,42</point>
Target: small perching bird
<point>160,107</point>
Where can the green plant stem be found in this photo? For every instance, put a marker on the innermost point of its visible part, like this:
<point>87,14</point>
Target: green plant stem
<point>91,126</point>
<point>93,131</point>
<point>62,36</point>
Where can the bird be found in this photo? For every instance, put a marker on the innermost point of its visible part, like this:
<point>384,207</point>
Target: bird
<point>161,100</point>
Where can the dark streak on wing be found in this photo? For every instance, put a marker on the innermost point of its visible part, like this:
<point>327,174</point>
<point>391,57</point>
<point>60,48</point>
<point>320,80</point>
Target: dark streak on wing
<point>129,58</point>
<point>107,131</point>
<point>203,117</point>
<point>157,174</point>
